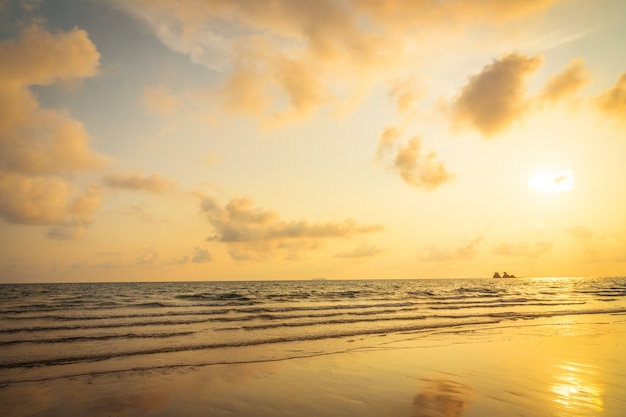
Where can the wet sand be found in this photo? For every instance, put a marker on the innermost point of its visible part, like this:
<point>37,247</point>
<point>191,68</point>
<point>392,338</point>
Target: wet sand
<point>566,366</point>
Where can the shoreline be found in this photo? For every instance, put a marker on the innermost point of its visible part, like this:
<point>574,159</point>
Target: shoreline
<point>551,365</point>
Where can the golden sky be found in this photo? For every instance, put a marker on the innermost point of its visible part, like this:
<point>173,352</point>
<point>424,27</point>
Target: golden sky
<point>150,140</point>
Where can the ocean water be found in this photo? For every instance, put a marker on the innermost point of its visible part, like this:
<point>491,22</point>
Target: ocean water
<point>57,331</point>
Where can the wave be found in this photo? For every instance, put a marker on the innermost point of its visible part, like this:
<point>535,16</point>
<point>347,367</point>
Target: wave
<point>74,339</point>
<point>63,324</point>
<point>111,325</point>
<point>65,360</point>
<point>220,296</point>
<point>506,304</point>
<point>118,316</point>
<point>265,313</point>
<point>482,320</point>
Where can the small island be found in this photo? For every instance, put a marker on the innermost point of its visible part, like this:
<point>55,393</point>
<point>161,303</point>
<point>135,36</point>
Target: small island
<point>504,275</point>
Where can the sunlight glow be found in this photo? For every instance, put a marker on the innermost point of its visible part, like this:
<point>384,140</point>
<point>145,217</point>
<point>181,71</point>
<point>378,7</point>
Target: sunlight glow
<point>576,387</point>
<point>553,183</point>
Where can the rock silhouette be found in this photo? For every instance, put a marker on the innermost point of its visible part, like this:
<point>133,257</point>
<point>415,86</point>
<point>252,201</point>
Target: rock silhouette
<point>504,275</point>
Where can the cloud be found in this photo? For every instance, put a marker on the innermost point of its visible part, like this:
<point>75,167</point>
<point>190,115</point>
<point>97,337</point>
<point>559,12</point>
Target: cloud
<point>496,97</point>
<point>38,144</point>
<point>201,255</point>
<point>103,260</point>
<point>440,254</point>
<point>180,260</point>
<point>139,211</point>
<point>571,79</point>
<point>304,90</point>
<point>144,257</point>
<point>34,140</point>
<point>49,201</point>
<point>586,238</point>
<point>33,200</point>
<point>522,249</point>
<point>419,169</point>
<point>387,141</point>
<point>254,233</point>
<point>362,251</point>
<point>581,233</point>
<point>39,57</point>
<point>285,60</point>
<point>79,215</point>
<point>613,101</point>
<point>405,93</point>
<point>153,183</point>
<point>454,13</point>
<point>160,101</point>
<point>147,256</point>
<point>245,91</point>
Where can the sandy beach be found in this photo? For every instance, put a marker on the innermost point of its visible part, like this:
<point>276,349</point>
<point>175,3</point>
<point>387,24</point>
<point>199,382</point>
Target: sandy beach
<point>565,366</point>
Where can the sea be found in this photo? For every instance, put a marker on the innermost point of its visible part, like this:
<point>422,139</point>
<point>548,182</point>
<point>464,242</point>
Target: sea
<point>56,331</point>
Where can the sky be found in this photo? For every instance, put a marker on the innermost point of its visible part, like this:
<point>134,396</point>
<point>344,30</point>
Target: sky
<point>189,140</point>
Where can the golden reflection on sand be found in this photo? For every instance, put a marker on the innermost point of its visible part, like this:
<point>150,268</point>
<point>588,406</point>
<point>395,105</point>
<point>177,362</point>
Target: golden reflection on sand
<point>442,398</point>
<point>575,387</point>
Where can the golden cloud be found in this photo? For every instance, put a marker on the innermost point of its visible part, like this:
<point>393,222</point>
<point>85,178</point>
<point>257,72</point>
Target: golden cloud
<point>161,101</point>
<point>523,248</point>
<point>571,79</point>
<point>419,169</point>
<point>245,91</point>
<point>147,256</point>
<point>285,59</point>
<point>362,251</point>
<point>581,233</point>
<point>39,57</point>
<point>495,97</point>
<point>454,13</point>
<point>254,233</point>
<point>444,254</point>
<point>33,200</point>
<point>48,201</point>
<point>41,141</point>
<point>387,141</point>
<point>35,140</point>
<point>405,93</point>
<point>79,215</point>
<point>153,183</point>
<point>37,144</point>
<point>201,255</point>
<point>613,101</point>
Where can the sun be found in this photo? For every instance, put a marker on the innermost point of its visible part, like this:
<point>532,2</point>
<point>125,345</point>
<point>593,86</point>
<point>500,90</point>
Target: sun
<point>553,183</point>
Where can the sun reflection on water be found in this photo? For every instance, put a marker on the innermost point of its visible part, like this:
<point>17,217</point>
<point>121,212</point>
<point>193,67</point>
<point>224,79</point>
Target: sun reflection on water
<point>576,387</point>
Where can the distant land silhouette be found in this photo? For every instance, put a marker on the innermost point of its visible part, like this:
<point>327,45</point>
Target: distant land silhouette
<point>504,275</point>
